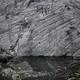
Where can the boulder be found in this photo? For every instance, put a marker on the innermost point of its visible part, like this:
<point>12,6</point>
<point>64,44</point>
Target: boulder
<point>54,29</point>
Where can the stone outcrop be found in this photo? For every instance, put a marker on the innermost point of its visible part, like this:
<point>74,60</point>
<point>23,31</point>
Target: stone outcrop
<point>37,27</point>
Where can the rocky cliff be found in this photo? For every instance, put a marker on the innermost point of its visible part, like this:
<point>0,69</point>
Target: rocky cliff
<point>40,27</point>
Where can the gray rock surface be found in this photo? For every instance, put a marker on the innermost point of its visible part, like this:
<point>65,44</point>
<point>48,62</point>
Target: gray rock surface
<point>40,27</point>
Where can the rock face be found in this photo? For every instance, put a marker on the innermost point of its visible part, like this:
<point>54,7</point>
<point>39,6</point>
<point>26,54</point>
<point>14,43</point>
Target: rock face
<point>37,27</point>
<point>40,68</point>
